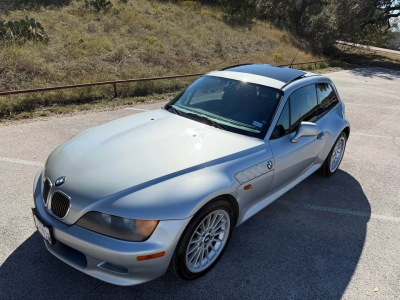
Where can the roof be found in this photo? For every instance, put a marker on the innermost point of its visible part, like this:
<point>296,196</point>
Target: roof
<point>282,74</point>
<point>245,77</point>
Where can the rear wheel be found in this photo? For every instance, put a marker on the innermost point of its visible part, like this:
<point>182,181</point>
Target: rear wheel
<point>335,156</point>
<point>204,240</point>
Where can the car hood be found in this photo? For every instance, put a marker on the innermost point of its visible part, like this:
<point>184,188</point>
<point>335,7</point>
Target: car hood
<point>137,151</point>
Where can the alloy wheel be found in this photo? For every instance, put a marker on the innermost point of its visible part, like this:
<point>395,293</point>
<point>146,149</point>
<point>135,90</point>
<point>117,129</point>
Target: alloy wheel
<point>337,154</point>
<point>208,241</point>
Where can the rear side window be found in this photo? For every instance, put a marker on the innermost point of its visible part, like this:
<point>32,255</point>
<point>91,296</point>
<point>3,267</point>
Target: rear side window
<point>327,98</point>
<point>303,106</point>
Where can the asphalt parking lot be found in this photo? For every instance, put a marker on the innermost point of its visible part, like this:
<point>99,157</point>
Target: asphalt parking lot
<point>328,238</point>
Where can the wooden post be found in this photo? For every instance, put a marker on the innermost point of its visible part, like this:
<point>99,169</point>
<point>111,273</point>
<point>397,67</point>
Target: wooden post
<point>115,90</point>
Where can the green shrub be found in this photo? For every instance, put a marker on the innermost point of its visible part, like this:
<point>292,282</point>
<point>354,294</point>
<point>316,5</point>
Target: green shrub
<point>309,67</point>
<point>24,115</point>
<point>278,58</point>
<point>152,39</point>
<point>23,30</point>
<point>204,13</point>
<point>323,65</point>
<point>239,12</point>
<point>189,4</point>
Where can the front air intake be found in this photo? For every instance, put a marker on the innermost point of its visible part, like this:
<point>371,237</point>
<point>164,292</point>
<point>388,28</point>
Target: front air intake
<point>46,190</point>
<point>60,204</point>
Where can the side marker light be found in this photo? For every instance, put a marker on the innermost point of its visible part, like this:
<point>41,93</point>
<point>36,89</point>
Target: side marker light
<point>151,256</point>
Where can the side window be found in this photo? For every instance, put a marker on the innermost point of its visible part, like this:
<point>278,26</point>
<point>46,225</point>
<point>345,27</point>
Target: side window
<point>303,106</point>
<point>326,97</point>
<point>282,126</point>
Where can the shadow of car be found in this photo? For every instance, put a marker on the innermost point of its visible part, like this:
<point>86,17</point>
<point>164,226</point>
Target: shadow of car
<point>306,245</point>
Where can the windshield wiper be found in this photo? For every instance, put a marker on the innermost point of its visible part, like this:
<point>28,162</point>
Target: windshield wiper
<point>177,112</point>
<point>211,121</point>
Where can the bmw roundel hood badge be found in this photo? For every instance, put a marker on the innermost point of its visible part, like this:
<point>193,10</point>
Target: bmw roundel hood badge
<point>60,181</point>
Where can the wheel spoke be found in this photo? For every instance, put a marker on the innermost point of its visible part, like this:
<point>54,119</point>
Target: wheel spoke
<point>218,220</point>
<point>207,254</point>
<point>199,258</point>
<point>213,220</point>
<point>194,255</point>
<point>220,225</point>
<point>208,222</point>
<point>220,231</point>
<point>194,248</point>
<point>208,241</point>
<point>217,240</point>
<point>195,241</point>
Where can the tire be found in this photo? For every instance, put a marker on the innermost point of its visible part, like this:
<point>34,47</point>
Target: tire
<point>183,263</point>
<point>327,169</point>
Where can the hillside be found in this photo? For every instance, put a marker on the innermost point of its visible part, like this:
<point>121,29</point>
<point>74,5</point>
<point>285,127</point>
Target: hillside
<point>136,39</point>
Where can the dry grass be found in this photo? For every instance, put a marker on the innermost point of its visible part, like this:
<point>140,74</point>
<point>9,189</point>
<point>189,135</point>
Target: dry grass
<point>139,39</point>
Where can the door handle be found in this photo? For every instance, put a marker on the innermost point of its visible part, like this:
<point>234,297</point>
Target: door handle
<point>320,135</point>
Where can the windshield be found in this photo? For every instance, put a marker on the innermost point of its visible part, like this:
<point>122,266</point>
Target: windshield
<point>233,105</point>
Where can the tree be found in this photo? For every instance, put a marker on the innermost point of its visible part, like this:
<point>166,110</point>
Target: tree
<point>322,22</point>
<point>241,11</point>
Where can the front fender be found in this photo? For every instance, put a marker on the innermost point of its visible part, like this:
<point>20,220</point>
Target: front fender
<point>177,198</point>
<point>182,196</point>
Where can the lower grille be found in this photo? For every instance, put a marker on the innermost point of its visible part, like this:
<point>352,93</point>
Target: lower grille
<point>60,204</point>
<point>46,190</point>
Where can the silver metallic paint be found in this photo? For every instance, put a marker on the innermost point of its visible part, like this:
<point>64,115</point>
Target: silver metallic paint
<point>98,248</point>
<point>305,129</point>
<point>161,166</point>
<point>251,78</point>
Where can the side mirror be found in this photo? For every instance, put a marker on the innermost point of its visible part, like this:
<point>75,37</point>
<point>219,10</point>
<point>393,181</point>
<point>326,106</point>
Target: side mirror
<point>305,129</point>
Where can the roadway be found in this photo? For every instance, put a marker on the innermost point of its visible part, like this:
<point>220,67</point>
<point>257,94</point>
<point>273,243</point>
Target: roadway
<point>328,238</point>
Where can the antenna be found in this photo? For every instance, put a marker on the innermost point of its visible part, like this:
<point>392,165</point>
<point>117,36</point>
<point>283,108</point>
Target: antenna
<point>293,59</point>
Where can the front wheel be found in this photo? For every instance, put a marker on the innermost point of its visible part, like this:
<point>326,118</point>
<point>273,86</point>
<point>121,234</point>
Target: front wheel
<point>204,240</point>
<point>335,156</point>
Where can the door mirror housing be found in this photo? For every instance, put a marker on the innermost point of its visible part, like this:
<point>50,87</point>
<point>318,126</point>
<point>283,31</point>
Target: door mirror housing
<point>305,129</point>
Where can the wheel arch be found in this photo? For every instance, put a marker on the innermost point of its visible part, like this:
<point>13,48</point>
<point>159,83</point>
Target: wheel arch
<point>346,130</point>
<point>233,203</point>
<point>227,197</point>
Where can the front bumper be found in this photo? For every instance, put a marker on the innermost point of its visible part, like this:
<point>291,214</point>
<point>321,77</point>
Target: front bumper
<point>110,259</point>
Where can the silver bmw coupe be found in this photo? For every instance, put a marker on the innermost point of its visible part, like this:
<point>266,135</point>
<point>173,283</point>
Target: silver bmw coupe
<point>128,200</point>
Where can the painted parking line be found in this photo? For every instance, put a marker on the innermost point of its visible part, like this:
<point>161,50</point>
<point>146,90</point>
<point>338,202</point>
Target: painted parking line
<point>341,211</point>
<point>376,136</point>
<point>368,105</point>
<point>138,109</point>
<point>22,162</point>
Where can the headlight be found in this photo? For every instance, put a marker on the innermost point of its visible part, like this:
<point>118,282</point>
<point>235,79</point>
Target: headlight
<point>117,227</point>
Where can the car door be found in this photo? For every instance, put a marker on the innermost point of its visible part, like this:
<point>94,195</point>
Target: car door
<point>292,159</point>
